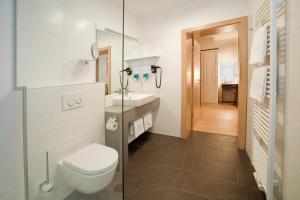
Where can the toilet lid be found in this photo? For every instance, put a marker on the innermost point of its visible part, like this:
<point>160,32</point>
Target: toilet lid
<point>92,160</point>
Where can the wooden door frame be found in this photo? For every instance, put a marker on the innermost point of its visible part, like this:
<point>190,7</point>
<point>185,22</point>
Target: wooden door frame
<point>242,23</point>
<point>104,50</point>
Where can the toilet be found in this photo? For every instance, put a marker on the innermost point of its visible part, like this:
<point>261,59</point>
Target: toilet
<point>90,169</point>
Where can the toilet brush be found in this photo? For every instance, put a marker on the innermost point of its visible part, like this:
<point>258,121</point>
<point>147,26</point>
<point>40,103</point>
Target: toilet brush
<point>46,188</point>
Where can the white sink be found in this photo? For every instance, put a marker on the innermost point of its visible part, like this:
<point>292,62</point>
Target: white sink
<point>133,99</point>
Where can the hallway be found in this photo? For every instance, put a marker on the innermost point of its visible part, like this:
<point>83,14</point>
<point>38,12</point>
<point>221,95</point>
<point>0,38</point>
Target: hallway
<point>219,119</point>
<point>201,167</point>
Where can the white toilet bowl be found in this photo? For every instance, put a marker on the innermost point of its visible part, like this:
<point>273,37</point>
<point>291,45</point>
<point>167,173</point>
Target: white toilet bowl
<point>91,169</point>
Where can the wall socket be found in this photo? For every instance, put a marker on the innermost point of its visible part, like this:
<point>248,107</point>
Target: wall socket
<point>72,101</point>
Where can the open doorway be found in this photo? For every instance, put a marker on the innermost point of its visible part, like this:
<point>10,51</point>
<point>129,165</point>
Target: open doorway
<point>219,80</point>
<point>214,83</point>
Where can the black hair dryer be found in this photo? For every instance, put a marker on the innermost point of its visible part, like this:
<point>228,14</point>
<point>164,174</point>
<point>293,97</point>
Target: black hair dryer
<point>121,76</point>
<point>127,70</point>
<point>154,69</point>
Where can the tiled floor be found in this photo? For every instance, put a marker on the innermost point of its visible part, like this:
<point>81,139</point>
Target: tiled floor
<point>204,166</point>
<point>218,118</point>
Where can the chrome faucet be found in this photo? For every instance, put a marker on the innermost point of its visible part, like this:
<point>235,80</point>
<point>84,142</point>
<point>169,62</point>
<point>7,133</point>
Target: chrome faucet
<point>126,91</point>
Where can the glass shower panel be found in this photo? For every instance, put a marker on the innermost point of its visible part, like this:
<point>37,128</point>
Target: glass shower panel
<point>73,144</point>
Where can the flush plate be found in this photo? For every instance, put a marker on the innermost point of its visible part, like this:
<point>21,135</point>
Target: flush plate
<point>72,101</point>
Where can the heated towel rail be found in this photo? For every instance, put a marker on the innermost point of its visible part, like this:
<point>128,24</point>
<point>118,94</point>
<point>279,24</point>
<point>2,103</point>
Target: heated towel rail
<point>267,123</point>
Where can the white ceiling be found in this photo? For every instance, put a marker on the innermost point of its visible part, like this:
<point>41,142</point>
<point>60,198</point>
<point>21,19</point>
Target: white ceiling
<point>148,8</point>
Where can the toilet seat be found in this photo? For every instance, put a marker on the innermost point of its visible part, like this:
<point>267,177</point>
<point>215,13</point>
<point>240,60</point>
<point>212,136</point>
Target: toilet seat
<point>94,159</point>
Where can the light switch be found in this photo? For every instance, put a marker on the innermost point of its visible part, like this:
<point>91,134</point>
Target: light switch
<point>72,101</point>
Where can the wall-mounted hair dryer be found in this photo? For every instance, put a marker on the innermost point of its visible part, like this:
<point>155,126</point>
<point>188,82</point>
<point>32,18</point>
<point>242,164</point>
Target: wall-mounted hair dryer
<point>128,71</point>
<point>154,69</point>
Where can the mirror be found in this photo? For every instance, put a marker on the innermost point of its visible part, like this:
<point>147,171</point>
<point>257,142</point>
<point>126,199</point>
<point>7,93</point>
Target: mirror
<point>109,62</point>
<point>138,58</point>
<point>95,51</point>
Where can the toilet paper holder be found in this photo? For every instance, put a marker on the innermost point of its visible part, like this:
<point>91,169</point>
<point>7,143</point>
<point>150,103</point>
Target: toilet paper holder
<point>112,124</point>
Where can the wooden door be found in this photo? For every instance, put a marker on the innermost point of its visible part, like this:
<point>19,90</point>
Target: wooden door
<point>196,79</point>
<point>188,96</point>
<point>209,80</point>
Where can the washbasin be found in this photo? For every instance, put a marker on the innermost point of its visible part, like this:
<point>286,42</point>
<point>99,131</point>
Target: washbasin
<point>133,99</point>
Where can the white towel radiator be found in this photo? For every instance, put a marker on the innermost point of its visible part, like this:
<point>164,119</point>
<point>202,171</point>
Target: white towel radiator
<point>265,115</point>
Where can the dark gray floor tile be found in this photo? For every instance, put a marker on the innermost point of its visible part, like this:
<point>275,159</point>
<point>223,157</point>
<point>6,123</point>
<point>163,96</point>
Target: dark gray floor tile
<point>229,147</point>
<point>185,150</point>
<point>212,145</point>
<point>214,169</point>
<point>163,173</point>
<point>215,189</point>
<point>159,191</point>
<point>239,158</point>
<point>245,177</point>
<point>166,158</point>
<point>258,195</point>
<point>132,184</point>
<point>212,161</point>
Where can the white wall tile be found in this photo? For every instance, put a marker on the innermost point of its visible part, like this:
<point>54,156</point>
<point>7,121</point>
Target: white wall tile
<point>96,90</point>
<point>293,40</point>
<point>7,74</point>
<point>8,140</point>
<point>11,195</point>
<point>293,14</point>
<point>48,16</point>
<point>293,98</point>
<point>82,24</point>
<point>38,135</point>
<point>6,11</point>
<point>11,107</point>
<point>6,41</point>
<point>40,104</point>
<point>7,173</point>
<point>39,45</point>
<point>292,139</point>
<point>292,178</point>
<point>36,174</point>
<point>46,73</point>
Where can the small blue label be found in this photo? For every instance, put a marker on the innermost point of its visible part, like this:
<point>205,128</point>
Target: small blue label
<point>146,75</point>
<point>136,76</point>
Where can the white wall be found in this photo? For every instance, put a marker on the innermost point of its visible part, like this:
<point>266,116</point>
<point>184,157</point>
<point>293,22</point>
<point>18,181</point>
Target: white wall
<point>292,136</point>
<point>163,32</point>
<point>60,132</point>
<point>11,174</point>
<point>53,39</point>
<point>11,177</point>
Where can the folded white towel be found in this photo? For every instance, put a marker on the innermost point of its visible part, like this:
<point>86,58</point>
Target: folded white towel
<point>131,129</point>
<point>259,46</point>
<point>258,84</point>
<point>138,126</point>
<point>148,121</point>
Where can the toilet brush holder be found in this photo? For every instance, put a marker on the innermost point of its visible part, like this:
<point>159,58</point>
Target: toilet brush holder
<point>46,191</point>
<point>46,188</point>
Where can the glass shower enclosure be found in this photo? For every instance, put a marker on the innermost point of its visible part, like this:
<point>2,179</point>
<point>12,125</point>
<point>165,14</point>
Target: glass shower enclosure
<point>69,58</point>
